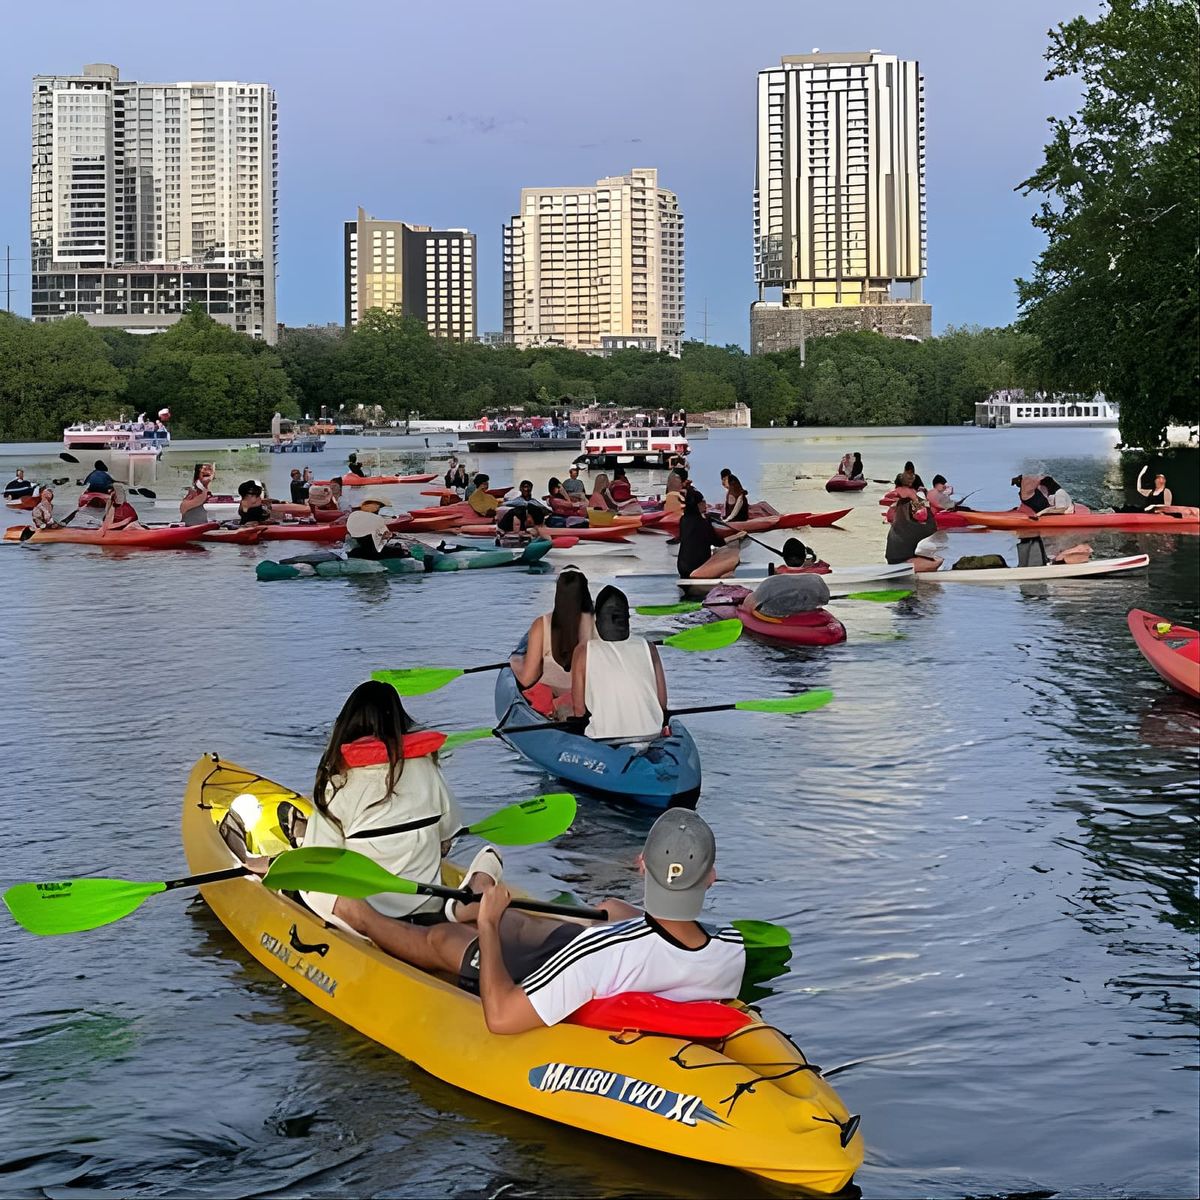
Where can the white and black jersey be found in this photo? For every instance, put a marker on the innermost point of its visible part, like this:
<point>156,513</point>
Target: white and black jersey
<point>637,955</point>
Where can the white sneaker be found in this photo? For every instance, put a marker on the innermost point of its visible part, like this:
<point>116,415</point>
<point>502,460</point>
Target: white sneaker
<point>487,862</point>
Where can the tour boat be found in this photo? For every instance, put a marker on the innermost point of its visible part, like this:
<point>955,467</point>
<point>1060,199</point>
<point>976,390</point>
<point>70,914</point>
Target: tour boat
<point>136,438</point>
<point>640,446</point>
<point>1013,409</point>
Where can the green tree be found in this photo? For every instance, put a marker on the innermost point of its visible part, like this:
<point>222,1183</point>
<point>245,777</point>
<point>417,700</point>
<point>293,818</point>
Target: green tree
<point>1113,298</point>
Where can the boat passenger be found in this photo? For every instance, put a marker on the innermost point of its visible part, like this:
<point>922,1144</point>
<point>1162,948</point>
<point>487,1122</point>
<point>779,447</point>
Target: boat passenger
<point>561,504</point>
<point>523,515</point>
<point>118,512</point>
<point>737,503</point>
<point>619,489</point>
<point>699,544</point>
<point>378,772</point>
<point>480,499</point>
<point>42,513</point>
<point>856,467</point>
<point>1158,496</point>
<point>98,479</point>
<point>191,507</point>
<point>617,681</point>
<point>299,487</point>
<point>573,485</point>
<point>915,481</point>
<point>253,507</point>
<point>1032,495</point>
<point>368,535</point>
<point>532,972</point>
<point>940,494</point>
<point>912,522</point>
<point>1059,500</point>
<point>18,486</point>
<point>551,641</point>
<point>602,497</point>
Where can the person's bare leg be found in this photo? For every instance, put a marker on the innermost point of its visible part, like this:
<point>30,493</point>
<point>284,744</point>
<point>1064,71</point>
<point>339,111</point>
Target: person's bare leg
<point>402,940</point>
<point>925,562</point>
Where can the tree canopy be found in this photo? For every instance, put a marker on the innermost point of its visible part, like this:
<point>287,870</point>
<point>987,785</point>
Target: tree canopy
<point>1112,302</point>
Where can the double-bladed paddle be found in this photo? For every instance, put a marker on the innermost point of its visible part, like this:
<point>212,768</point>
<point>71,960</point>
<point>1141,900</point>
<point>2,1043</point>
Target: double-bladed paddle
<point>691,606</point>
<point>30,530</point>
<point>74,905</point>
<point>418,681</point>
<point>789,556</point>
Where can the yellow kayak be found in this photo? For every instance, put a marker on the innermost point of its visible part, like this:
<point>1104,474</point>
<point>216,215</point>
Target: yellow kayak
<point>751,1101</point>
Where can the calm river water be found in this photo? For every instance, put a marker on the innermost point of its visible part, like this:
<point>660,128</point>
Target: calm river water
<point>985,847</point>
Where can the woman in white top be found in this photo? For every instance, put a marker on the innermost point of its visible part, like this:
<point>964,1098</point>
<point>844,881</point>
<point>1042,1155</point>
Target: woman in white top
<point>617,681</point>
<point>552,638</point>
<point>1060,500</point>
<point>378,773</point>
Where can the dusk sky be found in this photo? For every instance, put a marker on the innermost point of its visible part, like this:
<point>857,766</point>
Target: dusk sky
<point>439,114</point>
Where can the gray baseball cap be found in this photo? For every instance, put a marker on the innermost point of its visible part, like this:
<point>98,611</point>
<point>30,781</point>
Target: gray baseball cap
<point>679,855</point>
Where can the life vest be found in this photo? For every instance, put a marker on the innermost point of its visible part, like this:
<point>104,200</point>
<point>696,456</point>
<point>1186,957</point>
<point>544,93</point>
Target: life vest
<point>371,752</point>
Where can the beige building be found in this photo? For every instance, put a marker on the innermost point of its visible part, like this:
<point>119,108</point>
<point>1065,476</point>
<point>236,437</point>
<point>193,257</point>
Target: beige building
<point>414,270</point>
<point>148,197</point>
<point>583,265</point>
<point>839,196</point>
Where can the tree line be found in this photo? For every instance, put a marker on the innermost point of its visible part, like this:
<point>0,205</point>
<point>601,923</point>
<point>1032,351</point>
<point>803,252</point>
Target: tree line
<point>219,383</point>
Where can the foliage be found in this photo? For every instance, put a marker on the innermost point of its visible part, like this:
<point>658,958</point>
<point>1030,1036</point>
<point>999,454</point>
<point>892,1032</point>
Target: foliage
<point>219,383</point>
<point>1113,300</point>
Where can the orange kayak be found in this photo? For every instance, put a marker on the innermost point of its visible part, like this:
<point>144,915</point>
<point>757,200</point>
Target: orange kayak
<point>1019,521</point>
<point>1172,650</point>
<point>163,538</point>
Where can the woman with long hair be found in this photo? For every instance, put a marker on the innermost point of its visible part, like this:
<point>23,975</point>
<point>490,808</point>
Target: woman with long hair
<point>602,495</point>
<point>118,512</point>
<point>379,772</point>
<point>191,507</point>
<point>620,489</point>
<point>737,503</point>
<point>551,641</point>
<point>702,551</point>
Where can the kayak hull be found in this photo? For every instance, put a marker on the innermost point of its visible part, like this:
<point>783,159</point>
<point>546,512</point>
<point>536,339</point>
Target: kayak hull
<point>1097,567</point>
<point>426,560</point>
<point>170,537</point>
<point>311,532</point>
<point>1014,521</point>
<point>664,773</point>
<point>817,628</point>
<point>1175,654</point>
<point>839,483</point>
<point>785,1125</point>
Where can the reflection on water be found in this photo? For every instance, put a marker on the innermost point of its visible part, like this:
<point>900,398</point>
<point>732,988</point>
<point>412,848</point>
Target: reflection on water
<point>984,849</point>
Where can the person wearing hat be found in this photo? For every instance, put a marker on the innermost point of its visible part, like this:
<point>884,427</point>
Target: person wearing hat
<point>532,972</point>
<point>618,688</point>
<point>42,514</point>
<point>253,508</point>
<point>118,512</point>
<point>575,488</point>
<point>367,533</point>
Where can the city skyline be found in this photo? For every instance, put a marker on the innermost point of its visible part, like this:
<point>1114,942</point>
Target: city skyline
<point>540,111</point>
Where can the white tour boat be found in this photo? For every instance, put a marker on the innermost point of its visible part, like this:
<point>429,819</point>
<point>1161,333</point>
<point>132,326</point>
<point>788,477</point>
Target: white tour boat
<point>1013,409</point>
<point>640,446</point>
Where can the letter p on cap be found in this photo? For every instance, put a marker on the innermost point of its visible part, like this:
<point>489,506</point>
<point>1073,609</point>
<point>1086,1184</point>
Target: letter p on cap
<point>674,870</point>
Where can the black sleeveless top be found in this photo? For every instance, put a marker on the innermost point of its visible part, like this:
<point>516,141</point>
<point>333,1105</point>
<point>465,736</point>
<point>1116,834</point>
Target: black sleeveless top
<point>1037,501</point>
<point>1155,498</point>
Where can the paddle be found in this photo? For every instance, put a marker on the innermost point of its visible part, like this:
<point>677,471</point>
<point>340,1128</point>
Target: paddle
<point>68,458</point>
<point>74,905</point>
<point>418,681</point>
<point>338,872</point>
<point>790,559</point>
<point>30,530</point>
<point>691,606</point>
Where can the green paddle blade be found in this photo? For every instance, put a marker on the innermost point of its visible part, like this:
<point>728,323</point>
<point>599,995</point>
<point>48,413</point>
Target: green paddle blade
<point>713,636</point>
<point>417,681</point>
<point>805,702</point>
<point>538,820</point>
<point>75,904</point>
<point>762,935</point>
<point>885,597</point>
<point>668,610</point>
<point>465,736</point>
<point>334,871</point>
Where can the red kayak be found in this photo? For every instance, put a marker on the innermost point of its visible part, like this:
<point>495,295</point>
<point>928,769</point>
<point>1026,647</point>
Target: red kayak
<point>839,483</point>
<point>302,532</point>
<point>22,502</point>
<point>812,520</point>
<point>244,535</point>
<point>1172,650</point>
<point>168,537</point>
<point>367,480</point>
<point>816,628</point>
<point>410,524</point>
<point>606,533</point>
<point>1020,521</point>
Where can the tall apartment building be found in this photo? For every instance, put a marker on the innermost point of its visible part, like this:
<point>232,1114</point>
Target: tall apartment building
<point>839,197</point>
<point>149,197</point>
<point>585,263</point>
<point>414,270</point>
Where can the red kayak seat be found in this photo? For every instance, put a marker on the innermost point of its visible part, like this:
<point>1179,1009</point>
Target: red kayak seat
<point>706,1020</point>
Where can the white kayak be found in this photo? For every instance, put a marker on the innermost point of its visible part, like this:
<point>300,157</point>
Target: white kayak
<point>1097,566</point>
<point>840,580</point>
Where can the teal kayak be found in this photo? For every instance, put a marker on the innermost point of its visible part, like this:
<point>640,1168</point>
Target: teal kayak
<point>424,559</point>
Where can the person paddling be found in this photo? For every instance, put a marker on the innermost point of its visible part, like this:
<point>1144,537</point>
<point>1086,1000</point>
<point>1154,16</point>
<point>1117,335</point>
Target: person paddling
<point>617,680</point>
<point>42,514</point>
<point>118,512</point>
<point>18,486</point>
<point>98,479</point>
<point>368,535</point>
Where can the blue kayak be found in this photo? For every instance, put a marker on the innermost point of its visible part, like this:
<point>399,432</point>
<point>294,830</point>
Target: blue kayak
<point>663,772</point>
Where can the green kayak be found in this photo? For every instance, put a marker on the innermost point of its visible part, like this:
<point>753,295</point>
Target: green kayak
<point>424,559</point>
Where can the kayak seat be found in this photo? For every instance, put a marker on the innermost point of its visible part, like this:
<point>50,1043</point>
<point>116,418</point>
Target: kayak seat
<point>648,1013</point>
<point>818,616</point>
<point>541,699</point>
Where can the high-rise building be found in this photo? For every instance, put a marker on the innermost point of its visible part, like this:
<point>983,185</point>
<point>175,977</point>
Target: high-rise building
<point>149,197</point>
<point>414,270</point>
<point>839,197</point>
<point>581,263</point>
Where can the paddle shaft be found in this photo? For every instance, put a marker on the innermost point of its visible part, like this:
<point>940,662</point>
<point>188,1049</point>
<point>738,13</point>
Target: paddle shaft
<point>749,537</point>
<point>670,712</point>
<point>208,877</point>
<point>466,896</point>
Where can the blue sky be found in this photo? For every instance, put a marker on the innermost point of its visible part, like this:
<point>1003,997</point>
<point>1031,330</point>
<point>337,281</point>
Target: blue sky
<point>439,114</point>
